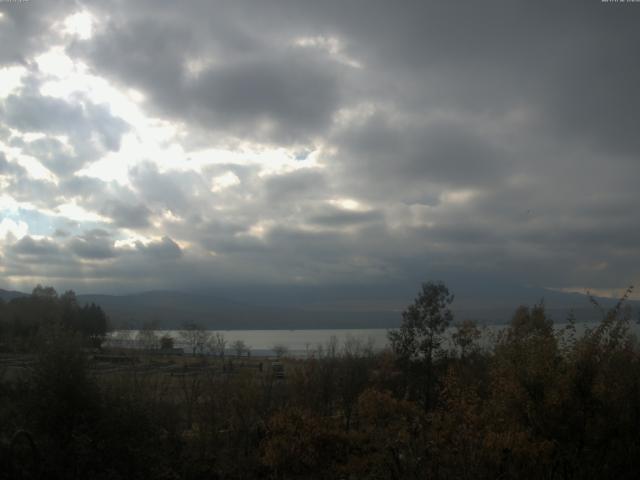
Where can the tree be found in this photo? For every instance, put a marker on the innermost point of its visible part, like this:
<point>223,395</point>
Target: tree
<point>353,373</point>
<point>166,342</point>
<point>466,336</point>
<point>70,310</point>
<point>93,324</point>
<point>64,395</point>
<point>239,347</point>
<point>195,336</point>
<point>43,307</point>
<point>420,336</point>
<point>302,444</point>
<point>147,337</point>
<point>4,322</point>
<point>527,322</point>
<point>423,324</point>
<point>217,344</point>
<point>280,350</point>
<point>389,440</point>
<point>46,293</point>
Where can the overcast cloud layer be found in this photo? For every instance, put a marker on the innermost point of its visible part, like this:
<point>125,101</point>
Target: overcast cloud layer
<point>156,144</point>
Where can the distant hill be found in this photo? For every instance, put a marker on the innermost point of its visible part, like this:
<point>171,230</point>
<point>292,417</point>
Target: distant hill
<point>321,309</point>
<point>172,309</point>
<point>8,295</point>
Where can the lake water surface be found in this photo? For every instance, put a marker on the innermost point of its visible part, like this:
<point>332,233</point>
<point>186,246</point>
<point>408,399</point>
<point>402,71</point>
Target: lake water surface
<point>306,342</point>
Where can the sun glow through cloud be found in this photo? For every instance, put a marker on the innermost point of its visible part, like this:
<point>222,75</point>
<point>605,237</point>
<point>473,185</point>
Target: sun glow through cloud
<point>10,79</point>
<point>16,229</point>
<point>79,25</point>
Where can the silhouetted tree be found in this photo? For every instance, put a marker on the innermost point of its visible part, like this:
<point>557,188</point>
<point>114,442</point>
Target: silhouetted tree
<point>465,337</point>
<point>419,338</point>
<point>239,347</point>
<point>195,336</point>
<point>280,350</point>
<point>166,342</point>
<point>93,324</point>
<point>217,344</point>
<point>147,336</point>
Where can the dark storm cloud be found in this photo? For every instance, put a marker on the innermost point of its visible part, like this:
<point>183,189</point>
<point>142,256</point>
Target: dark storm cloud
<point>94,245</point>
<point>25,27</point>
<point>126,215</point>
<point>296,94</point>
<point>336,217</point>
<point>223,78</point>
<point>164,249</point>
<point>486,57</point>
<point>59,260</point>
<point>320,257</point>
<point>30,247</point>
<point>175,191</point>
<point>295,186</point>
<point>415,162</point>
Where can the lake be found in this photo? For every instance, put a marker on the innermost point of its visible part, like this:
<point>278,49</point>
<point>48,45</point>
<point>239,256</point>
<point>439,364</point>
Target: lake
<point>303,343</point>
<point>261,342</point>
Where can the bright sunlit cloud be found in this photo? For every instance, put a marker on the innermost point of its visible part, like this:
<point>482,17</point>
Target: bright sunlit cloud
<point>79,25</point>
<point>346,203</point>
<point>458,197</point>
<point>77,213</point>
<point>331,45</point>
<point>16,229</point>
<point>10,80</point>
<point>228,179</point>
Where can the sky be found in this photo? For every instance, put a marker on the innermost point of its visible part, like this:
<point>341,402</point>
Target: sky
<point>156,144</point>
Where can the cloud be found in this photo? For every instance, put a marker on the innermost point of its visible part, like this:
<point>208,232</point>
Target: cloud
<point>30,247</point>
<point>127,215</point>
<point>27,29</point>
<point>93,245</point>
<point>415,160</point>
<point>326,143</point>
<point>228,82</point>
<point>90,130</point>
<point>164,249</point>
<point>295,186</point>
<point>9,168</point>
<point>336,217</point>
<point>176,191</point>
<point>12,228</point>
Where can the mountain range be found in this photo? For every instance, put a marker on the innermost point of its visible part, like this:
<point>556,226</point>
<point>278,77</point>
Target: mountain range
<point>306,308</point>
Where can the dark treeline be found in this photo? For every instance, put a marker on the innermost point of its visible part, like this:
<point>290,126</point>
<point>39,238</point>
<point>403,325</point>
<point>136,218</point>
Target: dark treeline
<point>22,318</point>
<point>537,403</point>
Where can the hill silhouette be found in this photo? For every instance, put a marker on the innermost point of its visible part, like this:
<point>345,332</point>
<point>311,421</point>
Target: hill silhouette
<point>171,309</point>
